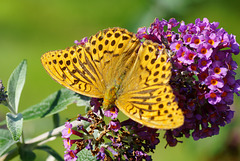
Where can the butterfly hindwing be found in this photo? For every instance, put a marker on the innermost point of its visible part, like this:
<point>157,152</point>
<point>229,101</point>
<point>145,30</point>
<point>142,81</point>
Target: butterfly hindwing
<point>153,107</point>
<point>148,98</point>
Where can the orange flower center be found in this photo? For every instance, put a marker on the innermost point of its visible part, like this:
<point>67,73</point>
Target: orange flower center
<point>69,130</point>
<point>217,70</point>
<point>214,82</point>
<point>203,50</point>
<point>183,53</point>
<point>203,75</point>
<point>112,110</point>
<point>190,56</point>
<point>213,95</point>
<point>71,154</point>
<point>178,46</point>
<point>211,41</point>
<point>196,41</point>
<point>216,57</point>
<point>193,67</point>
<point>204,63</point>
<point>114,126</point>
<point>189,39</point>
<point>224,94</point>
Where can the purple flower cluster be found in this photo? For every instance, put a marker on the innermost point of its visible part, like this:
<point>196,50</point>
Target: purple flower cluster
<point>203,76</point>
<point>81,42</point>
<point>3,95</point>
<point>66,133</point>
<point>203,80</point>
<point>117,140</point>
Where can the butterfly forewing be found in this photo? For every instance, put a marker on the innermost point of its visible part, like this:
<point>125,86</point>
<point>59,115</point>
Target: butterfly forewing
<point>74,69</point>
<point>91,68</point>
<point>112,50</point>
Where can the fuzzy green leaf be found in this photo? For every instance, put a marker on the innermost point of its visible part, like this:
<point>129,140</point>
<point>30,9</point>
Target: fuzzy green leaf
<point>15,125</point>
<point>5,140</point>
<point>53,104</point>
<point>15,85</point>
<point>85,154</point>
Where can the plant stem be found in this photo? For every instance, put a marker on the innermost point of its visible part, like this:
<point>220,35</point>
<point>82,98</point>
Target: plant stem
<point>55,132</point>
<point>39,140</point>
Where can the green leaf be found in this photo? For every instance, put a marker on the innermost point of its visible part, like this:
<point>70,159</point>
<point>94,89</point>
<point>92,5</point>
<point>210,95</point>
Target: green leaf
<point>56,120</point>
<point>85,154</point>
<point>26,153</point>
<point>5,140</point>
<point>15,124</point>
<point>15,85</point>
<point>84,101</point>
<point>53,104</point>
<point>50,151</point>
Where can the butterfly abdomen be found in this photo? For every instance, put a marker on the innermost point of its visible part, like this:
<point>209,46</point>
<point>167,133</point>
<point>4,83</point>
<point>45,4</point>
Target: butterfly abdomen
<point>110,97</point>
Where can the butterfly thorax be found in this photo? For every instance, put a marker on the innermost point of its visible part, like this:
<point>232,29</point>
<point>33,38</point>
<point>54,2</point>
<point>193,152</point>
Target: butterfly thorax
<point>110,97</point>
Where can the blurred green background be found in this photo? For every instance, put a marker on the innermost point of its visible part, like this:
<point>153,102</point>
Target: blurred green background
<point>30,28</point>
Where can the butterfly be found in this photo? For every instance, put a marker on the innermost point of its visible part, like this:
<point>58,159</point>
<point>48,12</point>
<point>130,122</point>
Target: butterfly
<point>116,66</point>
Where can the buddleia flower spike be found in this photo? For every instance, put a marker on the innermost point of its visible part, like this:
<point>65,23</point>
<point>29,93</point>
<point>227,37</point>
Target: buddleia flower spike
<point>182,83</point>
